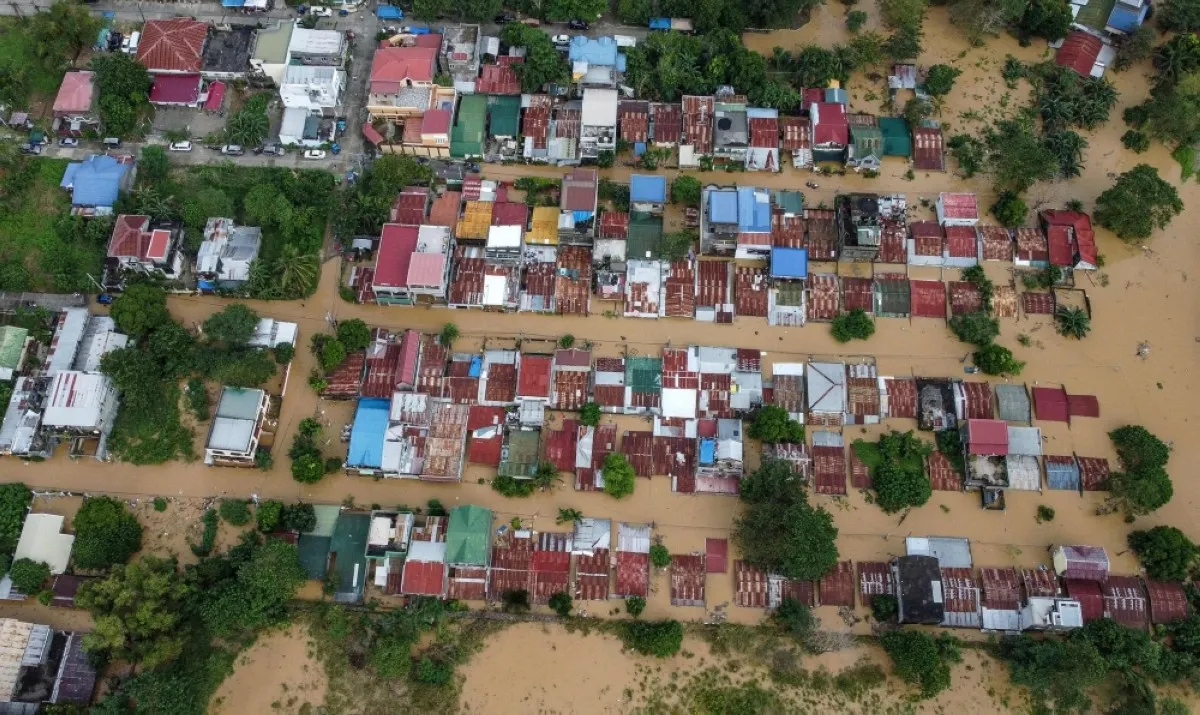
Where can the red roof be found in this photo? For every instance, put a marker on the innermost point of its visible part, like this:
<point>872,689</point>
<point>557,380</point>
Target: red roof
<point>371,135</point>
<point>858,293</point>
<point>130,237</point>
<point>959,205</point>
<point>424,578</point>
<point>979,400</point>
<point>964,298</point>
<point>560,445</point>
<point>928,299</point>
<point>498,79</point>
<point>444,211</point>
<point>535,376</point>
<point>409,206</point>
<point>535,124</point>
<point>485,449</point>
<point>1079,52</point>
<point>1059,238</point>
<point>687,579</point>
<point>1084,562</point>
<point>592,576</point>
<point>829,469</point>
<point>987,437</point>
<point>750,586</point>
<point>942,474</point>
<point>76,92</point>
<point>997,243</point>
<point>510,213</point>
<point>614,224</point>
<point>874,579</point>
<point>175,45</point>
<point>175,89</point>
<point>1083,406</point>
<point>410,352</point>
<point>633,574</point>
<point>1093,473</point>
<point>216,97</point>
<point>668,123</point>
<point>393,66</point>
<point>1050,404</point>
<point>716,555</point>
<point>1168,602</point>
<point>764,132</point>
<point>836,588</point>
<point>697,123</point>
<point>638,448</point>
<point>1080,225</point>
<point>961,242</point>
<point>1125,601</point>
<point>829,124</point>
<point>824,296</point>
<point>796,133</point>
<point>633,121</point>
<point>928,149</point>
<point>396,247</point>
<point>902,397</point>
<point>928,238</point>
<point>1001,588</point>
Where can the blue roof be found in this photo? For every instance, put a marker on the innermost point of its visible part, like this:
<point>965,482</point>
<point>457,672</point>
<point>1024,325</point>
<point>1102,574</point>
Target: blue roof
<point>723,206</point>
<point>660,23</point>
<point>233,3</point>
<point>476,368</point>
<point>388,12</point>
<point>754,210</point>
<point>708,451</point>
<point>594,51</point>
<point>789,262</point>
<point>367,436</point>
<point>836,95</point>
<point>1061,475</point>
<point>761,113</point>
<point>95,181</point>
<point>647,189</point>
<point>1127,19</point>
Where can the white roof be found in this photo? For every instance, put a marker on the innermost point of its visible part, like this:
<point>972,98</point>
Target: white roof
<point>433,239</point>
<point>78,399</point>
<point>591,534</point>
<point>950,552</point>
<point>502,237</point>
<point>433,551</point>
<point>271,332</point>
<point>293,122</point>
<point>1025,441</point>
<point>678,402</point>
<point>788,368</point>
<point>310,75</point>
<point>599,107</point>
<point>315,42</point>
<point>634,539</point>
<point>99,339</point>
<point>231,435</point>
<point>42,540</point>
<point>495,290</point>
<point>67,336</point>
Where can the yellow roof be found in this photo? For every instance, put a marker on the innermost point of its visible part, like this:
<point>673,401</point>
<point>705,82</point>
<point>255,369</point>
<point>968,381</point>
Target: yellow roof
<point>545,227</point>
<point>477,219</point>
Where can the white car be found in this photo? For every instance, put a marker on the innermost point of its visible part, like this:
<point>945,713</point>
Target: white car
<point>179,146</point>
<point>314,154</point>
<point>321,12</point>
<point>561,39</point>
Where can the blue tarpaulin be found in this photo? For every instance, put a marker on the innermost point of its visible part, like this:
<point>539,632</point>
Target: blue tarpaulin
<point>708,451</point>
<point>789,263</point>
<point>233,3</point>
<point>660,23</point>
<point>368,433</point>
<point>388,12</point>
<point>581,216</point>
<point>476,366</point>
<point>753,210</point>
<point>639,148</point>
<point>1127,19</point>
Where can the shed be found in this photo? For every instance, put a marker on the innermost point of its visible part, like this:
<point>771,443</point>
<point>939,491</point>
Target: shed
<point>1062,472</point>
<point>918,590</point>
<point>960,593</point>
<point>1081,562</point>
<point>1125,601</point>
<point>829,462</point>
<point>716,555</point>
<point>1012,403</point>
<point>950,552</point>
<point>897,140</point>
<point>1168,601</point>
<point>1000,599</point>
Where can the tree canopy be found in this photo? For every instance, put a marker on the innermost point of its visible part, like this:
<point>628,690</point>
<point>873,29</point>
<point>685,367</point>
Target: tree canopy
<point>897,464</point>
<point>233,325</point>
<point>106,534</point>
<point>543,63</point>
<point>353,334</point>
<point>1138,203</point>
<point>1179,15</point>
<point>1010,209</point>
<point>137,609</point>
<point>123,86</point>
<point>1165,552</point>
<point>259,595</point>
<point>140,309</point>
<point>685,190</point>
<point>977,328</point>
<point>772,424</point>
<point>780,531</point>
<point>619,477</point>
<point>995,359</point>
<point>920,659</point>
<point>853,325</point>
<point>940,79</point>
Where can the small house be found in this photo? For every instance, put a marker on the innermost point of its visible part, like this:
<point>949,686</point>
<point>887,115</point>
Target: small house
<point>826,390</point>
<point>918,581</point>
<point>224,257</point>
<point>95,183</point>
<point>1088,563</point>
<point>1072,241</point>
<point>237,427</point>
<point>468,533</point>
<point>1086,53</point>
<point>75,105</point>
<point>831,131</point>
<point>957,209</point>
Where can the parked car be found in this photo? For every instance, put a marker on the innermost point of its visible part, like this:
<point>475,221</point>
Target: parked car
<point>68,141</point>
<point>29,148</point>
<point>232,150</point>
<point>179,146</point>
<point>504,18</point>
<point>579,25</point>
<point>562,42</point>
<point>321,11</point>
<point>270,149</point>
<point>112,142</point>
<point>314,154</point>
<point>301,9</point>
<point>471,167</point>
<point>343,12</point>
<point>104,299</point>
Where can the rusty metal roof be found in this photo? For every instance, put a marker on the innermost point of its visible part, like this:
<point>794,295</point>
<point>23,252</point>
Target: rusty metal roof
<point>929,151</point>
<point>535,124</point>
<point>638,448</point>
<point>633,121</point>
<point>712,285</point>
<point>633,574</point>
<point>824,301</point>
<point>1037,302</point>
<point>573,280</point>
<point>716,555</point>
<point>797,133</point>
<point>467,286</point>
<point>750,586</point>
<point>1032,244</point>
<point>822,234</point>
<point>467,583</point>
<point>788,392</point>
<point>961,242</point>
<point>345,382</point>
<point>892,248</point>
<point>829,469</point>
<point>862,396</point>
<point>535,376</point>
<point>614,224</point>
<point>1125,601</point>
<point>698,123</point>
<point>860,473</point>
<point>687,579</point>
<point>751,291</point>
<point>679,290</point>
<point>942,474</point>
<point>592,576</point>
<point>668,122</point>
<point>858,294</point>
<point>560,446</point>
<point>1093,473</point>
<point>964,298</point>
<point>928,299</point>
<point>996,243</point>
<point>978,400</point>
<point>1167,601</point>
<point>1001,588</point>
<point>676,458</point>
<point>787,231</point>
<point>570,391</point>
<point>874,579</point>
<point>431,376</point>
<point>1040,582</point>
<point>836,588</point>
<point>960,593</point>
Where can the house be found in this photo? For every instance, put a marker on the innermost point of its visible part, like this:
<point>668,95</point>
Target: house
<point>897,138</point>
<point>570,385</point>
<point>860,219</point>
<point>1088,563</point>
<point>75,105</point>
<point>598,121</point>
<point>237,428</point>
<point>270,54</point>
<point>696,140</point>
<point>789,263</point>
<point>762,152</point>
<point>317,48</point>
<point>42,540</point>
<point>224,257</point>
<point>633,560</point>
<point>643,385</point>
<point>504,244</point>
<point>826,389</point>
<point>519,454</point>
<point>595,61</point>
<point>633,123</point>
<point>466,138</point>
<point>918,582</point>
<point>46,666</point>
<point>667,127</point>
<point>227,52</point>
<point>573,280</point>
<point>536,374</point>
<point>735,220</point>
<point>411,261</point>
<point>797,139</point>
<point>81,407</point>
<point>929,149</point>
<point>498,379</point>
<point>13,344</point>
<point>957,209</point>
<point>95,183</point>
<point>1051,613</point>
<point>459,55</point>
<point>830,131</point>
<point>644,289</point>
<point>408,436</point>
<point>468,534</point>
<point>866,142</point>
<point>1127,16</point>
<point>423,570</point>
<point>647,193</point>
<point>577,204</point>
<point>135,247</point>
<point>177,90</point>
<point>563,143</point>
<point>1032,248</point>
<point>504,121</point>
<point>306,127</point>
<point>1072,242</point>
<point>314,89</point>
<point>731,129</point>
<point>402,85</point>
<point>719,456</point>
<point>173,47</point>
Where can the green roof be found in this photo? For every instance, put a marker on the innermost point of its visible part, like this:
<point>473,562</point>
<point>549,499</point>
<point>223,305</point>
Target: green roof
<point>868,141</point>
<point>239,403</point>
<point>467,535</point>
<point>792,202</point>
<point>327,516</point>
<point>897,138</point>
<point>505,116</point>
<point>789,293</point>
<point>1095,14</point>
<point>892,298</point>
<point>12,344</point>
<point>349,544</point>
<point>520,457</point>
<point>643,374</point>
<point>645,236</point>
<point>271,43</point>
<point>466,138</point>
<point>313,552</point>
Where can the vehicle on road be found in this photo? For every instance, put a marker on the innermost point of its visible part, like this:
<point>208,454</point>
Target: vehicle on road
<point>134,40</point>
<point>179,146</point>
<point>314,154</point>
<point>270,149</point>
<point>112,142</point>
<point>104,299</point>
<point>561,42</point>
<point>320,11</point>
<point>579,25</point>
<point>335,148</point>
<point>504,18</point>
<point>68,141</point>
<point>343,12</point>
<point>29,148</point>
<point>232,150</point>
<point>471,167</point>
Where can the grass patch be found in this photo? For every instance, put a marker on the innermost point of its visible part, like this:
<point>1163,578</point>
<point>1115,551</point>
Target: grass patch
<point>1186,156</point>
<point>18,49</point>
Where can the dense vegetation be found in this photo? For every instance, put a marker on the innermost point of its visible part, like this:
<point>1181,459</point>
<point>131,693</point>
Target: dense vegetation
<point>780,531</point>
<point>772,424</point>
<point>106,534</point>
<point>1142,485</point>
<point>921,659</point>
<point>897,464</point>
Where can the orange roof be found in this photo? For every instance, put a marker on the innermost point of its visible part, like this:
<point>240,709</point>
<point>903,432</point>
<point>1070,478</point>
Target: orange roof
<point>393,65</point>
<point>476,220</point>
<point>175,45</point>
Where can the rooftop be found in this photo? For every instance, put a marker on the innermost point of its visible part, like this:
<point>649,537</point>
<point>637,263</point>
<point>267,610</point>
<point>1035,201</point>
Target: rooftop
<point>76,93</point>
<point>175,45</point>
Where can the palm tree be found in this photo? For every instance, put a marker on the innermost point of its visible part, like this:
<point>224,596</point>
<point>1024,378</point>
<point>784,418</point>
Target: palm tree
<point>568,516</point>
<point>248,128</point>
<point>297,271</point>
<point>1067,147</point>
<point>1072,322</point>
<point>546,477</point>
<point>1056,110</point>
<point>1177,58</point>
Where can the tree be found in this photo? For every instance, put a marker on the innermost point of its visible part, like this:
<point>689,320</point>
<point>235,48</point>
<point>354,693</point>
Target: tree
<point>1136,141</point>
<point>854,325</point>
<point>1138,448</point>
<point>919,660</point>
<point>985,17</point>
<point>235,511</point>
<point>546,477</point>
<point>1067,148</point>
<point>152,164</point>
<point>884,607</point>
<point>589,414</point>
<point>1165,552</point>
<point>1057,670</point>
<point>780,532</point>
<point>899,14</point>
<point>1142,491</point>
<point>897,489</point>
<point>28,575</point>
<point>635,12</point>
<point>661,639</point>
<point>660,557</point>
<point>260,593</point>
<point>568,516</point>
<point>430,9</point>
<point>1010,209</point>
<point>1176,59</point>
<point>685,189</point>
<point>234,325</point>
<point>566,342</point>
<point>448,335</point>
<point>1134,48</point>
<point>543,63</point>
<point>308,468</point>
<point>997,360</point>
<point>1072,322</point>
<point>123,86</point>
<point>333,354</point>
<point>677,245</point>
<point>897,464</point>
<point>634,605</point>
<point>940,80</point>
<point>354,334</point>
<point>1017,158</point>
<point>855,19</point>
<point>66,27</point>
<point>268,515</point>
<point>977,328</point>
<point>243,368</point>
<point>772,424</point>
<point>618,476</point>
<point>904,44</point>
<point>299,517</point>
<point>515,600</point>
<point>795,618</point>
<point>295,272</point>
<point>250,125</point>
<point>106,534</point>
<point>561,604</point>
<point>173,350</point>
<point>1049,19</point>
<point>1179,15</point>
<point>284,352</point>
<point>138,611</point>
<point>605,159</point>
<point>971,154</point>
<point>1139,202</point>
<point>140,309</point>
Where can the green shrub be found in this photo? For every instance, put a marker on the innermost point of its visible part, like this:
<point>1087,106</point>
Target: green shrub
<point>919,659</point>
<point>299,517</point>
<point>634,605</point>
<point>284,352</point>
<point>589,414</point>
<point>212,521</point>
<point>1044,513</point>
<point>511,487</point>
<point>433,672</point>
<point>515,600</point>
<point>28,575</point>
<point>661,639</point>
<point>884,607</point>
<point>561,604</point>
<point>160,504</point>
<point>795,618</point>
<point>268,515</point>
<point>660,557</point>
<point>855,325</point>
<point>235,511</point>
<point>106,534</point>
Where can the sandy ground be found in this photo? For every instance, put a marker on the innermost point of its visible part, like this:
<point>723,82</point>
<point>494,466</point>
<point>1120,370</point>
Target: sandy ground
<point>277,674</point>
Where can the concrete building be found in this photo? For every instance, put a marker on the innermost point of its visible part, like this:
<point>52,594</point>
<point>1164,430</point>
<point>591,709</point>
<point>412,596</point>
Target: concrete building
<point>238,427</point>
<point>598,122</point>
<point>136,247</point>
<point>459,55</point>
<point>224,258</point>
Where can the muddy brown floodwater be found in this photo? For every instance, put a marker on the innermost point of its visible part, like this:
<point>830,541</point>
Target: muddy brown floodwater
<point>1142,295</point>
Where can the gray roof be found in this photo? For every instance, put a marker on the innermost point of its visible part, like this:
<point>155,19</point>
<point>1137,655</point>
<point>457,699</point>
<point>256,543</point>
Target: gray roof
<point>1012,403</point>
<point>239,403</point>
<point>950,552</point>
<point>591,534</point>
<point>271,45</point>
<point>1062,475</point>
<point>1025,441</point>
<point>826,383</point>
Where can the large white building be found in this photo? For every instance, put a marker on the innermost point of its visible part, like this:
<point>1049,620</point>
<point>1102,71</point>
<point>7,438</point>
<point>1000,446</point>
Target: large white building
<point>224,258</point>
<point>237,427</point>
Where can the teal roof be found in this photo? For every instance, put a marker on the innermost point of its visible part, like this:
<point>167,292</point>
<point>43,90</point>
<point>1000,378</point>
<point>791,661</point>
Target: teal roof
<point>867,140</point>
<point>643,374</point>
<point>644,236</point>
<point>12,344</point>
<point>327,516</point>
<point>349,543</point>
<point>467,533</point>
<point>239,403</point>
<point>505,113</point>
<point>897,138</point>
<point>792,202</point>
<point>313,552</point>
<point>466,138</point>
<point>521,456</point>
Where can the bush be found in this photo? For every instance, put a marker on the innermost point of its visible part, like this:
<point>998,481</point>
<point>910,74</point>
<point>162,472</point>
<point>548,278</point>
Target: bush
<point>434,507</point>
<point>561,604</point>
<point>235,511</point>
<point>975,328</point>
<point>212,521</point>
<point>618,476</point>
<point>660,639</point>
<point>884,607</point>
<point>772,424</point>
<point>198,401</point>
<point>28,575</point>
<point>299,517</point>
<point>918,659</point>
<point>515,600</point>
<point>160,504</point>
<point>333,354</point>
<point>268,515</point>
<point>686,190</point>
<point>353,334</point>
<point>795,618</point>
<point>566,342</point>
<point>1010,209</point>
<point>284,352</point>
<point>589,414</point>
<point>855,325</point>
<point>660,557</point>
<point>1165,552</point>
<point>433,672</point>
<point>997,360</point>
<point>512,487</point>
<point>1135,141</point>
<point>106,534</point>
<point>855,19</point>
<point>634,605</point>
<point>1044,513</point>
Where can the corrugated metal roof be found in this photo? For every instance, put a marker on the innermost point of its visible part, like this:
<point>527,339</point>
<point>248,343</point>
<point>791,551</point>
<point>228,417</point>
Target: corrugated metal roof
<point>964,298</point>
<point>901,396</point>
<point>996,243</point>
<point>716,555</point>
<point>632,574</point>
<point>829,469</point>
<point>1167,601</point>
<point>1093,471</point>
<point>942,474</point>
<point>1050,404</point>
<point>1125,601</point>
<point>750,586</point>
<point>1091,599</point>
<point>1062,472</point>
<point>687,579</point>
<point>960,595</point>
<point>824,299</point>
<point>928,299</point>
<point>836,587</point>
<point>874,579</point>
